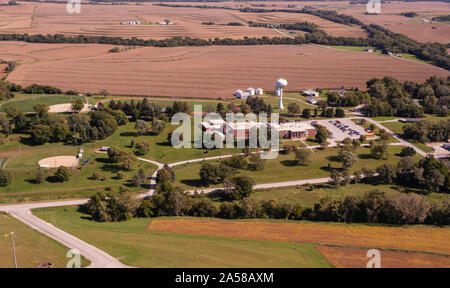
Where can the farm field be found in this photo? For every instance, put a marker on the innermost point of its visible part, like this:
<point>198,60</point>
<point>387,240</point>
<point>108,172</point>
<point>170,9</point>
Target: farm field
<point>32,248</point>
<point>104,20</point>
<point>283,168</point>
<point>217,71</point>
<point>350,257</point>
<point>414,238</point>
<point>135,245</point>
<point>390,18</point>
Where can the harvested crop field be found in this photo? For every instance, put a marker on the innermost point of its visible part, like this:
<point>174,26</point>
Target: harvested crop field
<point>105,20</point>
<point>216,71</point>
<point>430,32</point>
<point>348,257</point>
<point>27,53</point>
<point>426,239</point>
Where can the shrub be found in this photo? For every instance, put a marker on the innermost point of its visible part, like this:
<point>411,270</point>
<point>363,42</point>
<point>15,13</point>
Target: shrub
<point>408,151</point>
<point>5,177</point>
<point>62,174</point>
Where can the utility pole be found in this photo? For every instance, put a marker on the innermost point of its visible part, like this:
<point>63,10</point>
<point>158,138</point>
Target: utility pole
<point>13,247</point>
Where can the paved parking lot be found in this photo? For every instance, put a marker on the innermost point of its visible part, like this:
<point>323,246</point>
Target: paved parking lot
<point>345,123</point>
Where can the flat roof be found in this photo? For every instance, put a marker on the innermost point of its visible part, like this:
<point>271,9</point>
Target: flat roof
<point>294,126</point>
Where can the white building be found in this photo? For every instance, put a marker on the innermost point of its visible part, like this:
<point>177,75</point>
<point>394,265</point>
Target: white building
<point>312,100</point>
<point>238,93</point>
<point>311,93</point>
<point>251,91</point>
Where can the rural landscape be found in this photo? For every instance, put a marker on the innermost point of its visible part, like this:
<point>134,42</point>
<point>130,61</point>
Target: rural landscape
<point>224,134</point>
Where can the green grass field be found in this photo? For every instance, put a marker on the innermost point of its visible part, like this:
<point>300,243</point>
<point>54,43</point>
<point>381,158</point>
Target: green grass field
<point>26,103</point>
<point>283,167</point>
<point>133,245</point>
<point>32,247</point>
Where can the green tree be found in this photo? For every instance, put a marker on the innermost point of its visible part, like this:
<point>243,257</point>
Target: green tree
<point>294,108</point>
<point>142,148</point>
<point>41,134</point>
<point>302,156</point>
<point>41,109</point>
<point>62,174</point>
<point>5,177</point>
<point>348,159</point>
<point>242,187</point>
<point>306,113</point>
<point>77,105</point>
<point>322,134</point>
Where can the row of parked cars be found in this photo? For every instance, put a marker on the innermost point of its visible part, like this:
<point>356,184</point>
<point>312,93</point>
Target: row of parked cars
<point>344,128</point>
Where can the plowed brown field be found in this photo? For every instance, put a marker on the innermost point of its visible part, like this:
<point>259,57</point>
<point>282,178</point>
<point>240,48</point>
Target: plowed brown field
<point>208,72</point>
<point>346,257</point>
<point>104,20</point>
<point>427,239</point>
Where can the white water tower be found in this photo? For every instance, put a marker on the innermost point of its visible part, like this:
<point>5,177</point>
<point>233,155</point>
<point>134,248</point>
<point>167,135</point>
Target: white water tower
<point>280,84</point>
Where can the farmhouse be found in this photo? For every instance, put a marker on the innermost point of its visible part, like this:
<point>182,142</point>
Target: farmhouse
<point>311,93</point>
<point>295,130</point>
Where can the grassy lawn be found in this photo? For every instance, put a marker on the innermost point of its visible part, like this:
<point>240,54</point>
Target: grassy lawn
<point>283,168</point>
<point>396,127</point>
<point>32,248</point>
<point>384,118</point>
<point>26,103</point>
<point>134,245</point>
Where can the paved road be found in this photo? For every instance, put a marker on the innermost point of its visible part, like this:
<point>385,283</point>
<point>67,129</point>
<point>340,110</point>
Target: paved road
<point>98,258</point>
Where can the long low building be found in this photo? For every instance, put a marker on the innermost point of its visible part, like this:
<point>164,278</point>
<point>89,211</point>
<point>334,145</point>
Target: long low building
<point>295,130</point>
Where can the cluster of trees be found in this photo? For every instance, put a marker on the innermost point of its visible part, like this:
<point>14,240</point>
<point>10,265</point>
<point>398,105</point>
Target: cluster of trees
<point>212,174</point>
<point>409,14</point>
<point>390,97</point>
<point>5,94</point>
<point>372,207</point>
<point>442,18</point>
<point>300,26</point>
<point>427,131</point>
<point>428,173</point>
<point>78,128</point>
<point>257,105</point>
<point>376,207</point>
<point>349,99</point>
